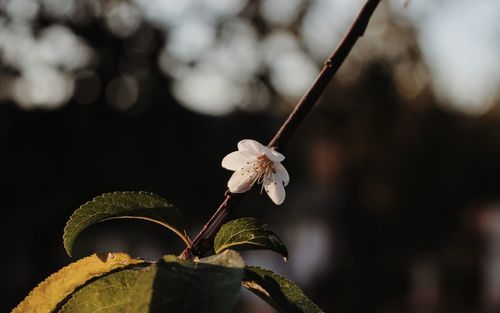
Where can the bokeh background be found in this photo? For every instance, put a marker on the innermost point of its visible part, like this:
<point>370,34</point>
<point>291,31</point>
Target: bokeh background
<point>394,201</point>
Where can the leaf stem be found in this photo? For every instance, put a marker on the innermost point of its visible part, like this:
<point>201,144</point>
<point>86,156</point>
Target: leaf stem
<point>203,241</point>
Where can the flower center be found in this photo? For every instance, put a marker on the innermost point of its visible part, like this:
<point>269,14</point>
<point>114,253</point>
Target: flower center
<point>259,171</point>
<point>263,169</point>
<point>264,164</point>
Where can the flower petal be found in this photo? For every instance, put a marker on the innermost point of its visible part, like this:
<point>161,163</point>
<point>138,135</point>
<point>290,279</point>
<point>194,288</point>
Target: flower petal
<point>237,160</point>
<point>281,174</point>
<point>273,155</point>
<point>275,191</point>
<point>252,146</point>
<point>240,182</point>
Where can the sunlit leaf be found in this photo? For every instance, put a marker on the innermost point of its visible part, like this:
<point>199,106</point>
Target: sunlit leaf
<point>129,290</point>
<point>279,292</point>
<point>171,285</point>
<point>248,234</point>
<point>49,293</point>
<point>117,205</point>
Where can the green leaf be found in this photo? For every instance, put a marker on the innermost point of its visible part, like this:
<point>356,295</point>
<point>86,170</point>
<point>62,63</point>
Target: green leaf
<point>279,292</point>
<point>49,293</point>
<point>228,258</point>
<point>124,291</point>
<point>211,285</point>
<point>135,205</point>
<point>171,285</point>
<point>248,234</point>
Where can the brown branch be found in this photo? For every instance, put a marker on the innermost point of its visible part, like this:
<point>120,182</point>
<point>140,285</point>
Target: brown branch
<point>203,241</point>
<point>331,67</point>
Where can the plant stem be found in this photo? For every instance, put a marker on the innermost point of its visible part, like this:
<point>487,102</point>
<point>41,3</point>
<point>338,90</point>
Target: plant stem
<point>203,241</point>
<point>329,69</point>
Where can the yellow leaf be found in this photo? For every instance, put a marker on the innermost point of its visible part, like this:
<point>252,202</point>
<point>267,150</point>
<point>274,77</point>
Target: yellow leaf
<point>49,293</point>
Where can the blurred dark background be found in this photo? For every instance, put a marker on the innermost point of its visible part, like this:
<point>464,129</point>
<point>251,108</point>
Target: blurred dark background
<point>394,200</point>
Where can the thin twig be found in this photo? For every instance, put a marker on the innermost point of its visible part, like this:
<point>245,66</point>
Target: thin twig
<point>202,243</point>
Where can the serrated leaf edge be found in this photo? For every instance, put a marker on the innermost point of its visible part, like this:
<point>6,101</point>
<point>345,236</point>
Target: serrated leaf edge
<point>262,227</point>
<point>247,283</point>
<point>117,260</point>
<point>72,217</point>
<point>72,296</point>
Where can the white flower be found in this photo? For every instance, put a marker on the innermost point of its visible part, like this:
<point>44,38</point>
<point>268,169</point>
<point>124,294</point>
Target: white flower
<point>254,162</point>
